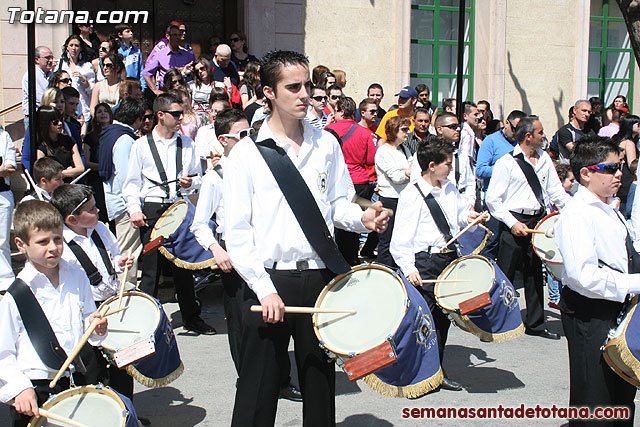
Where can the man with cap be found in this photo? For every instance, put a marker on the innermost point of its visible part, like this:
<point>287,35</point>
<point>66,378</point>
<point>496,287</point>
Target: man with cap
<point>407,99</point>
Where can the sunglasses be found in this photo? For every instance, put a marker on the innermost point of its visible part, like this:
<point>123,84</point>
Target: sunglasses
<point>107,65</point>
<point>64,81</point>
<point>103,49</point>
<point>452,126</point>
<point>200,69</point>
<point>183,31</point>
<point>175,114</point>
<point>147,117</point>
<point>175,81</point>
<point>242,134</point>
<point>404,128</point>
<point>480,119</point>
<point>608,168</point>
<point>56,122</point>
<point>334,97</point>
<point>319,98</point>
<point>234,39</point>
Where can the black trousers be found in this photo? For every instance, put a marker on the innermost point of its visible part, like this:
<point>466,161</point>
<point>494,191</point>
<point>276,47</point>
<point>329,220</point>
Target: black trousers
<point>586,323</point>
<point>517,253</point>
<point>262,348</point>
<point>384,240</point>
<point>182,279</point>
<point>348,242</point>
<point>430,266</point>
<point>43,392</point>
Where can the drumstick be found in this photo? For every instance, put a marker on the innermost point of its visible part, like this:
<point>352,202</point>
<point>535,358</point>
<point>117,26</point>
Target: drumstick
<point>124,279</point>
<point>53,416</point>
<point>446,281</point>
<point>126,331</point>
<point>83,340</point>
<point>479,219</point>
<point>549,233</point>
<point>364,203</point>
<point>116,311</point>
<point>80,176</point>
<point>33,184</point>
<point>311,310</point>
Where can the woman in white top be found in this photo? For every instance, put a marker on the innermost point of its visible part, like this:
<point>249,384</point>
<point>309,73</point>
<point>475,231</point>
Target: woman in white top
<point>73,62</point>
<point>108,90</point>
<point>393,170</point>
<point>201,88</point>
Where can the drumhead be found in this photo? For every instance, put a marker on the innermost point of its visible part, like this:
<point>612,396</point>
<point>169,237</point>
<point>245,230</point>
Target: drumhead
<point>378,295</point>
<point>478,274</point>
<point>545,247</point>
<point>87,405</point>
<point>142,317</point>
<point>170,220</point>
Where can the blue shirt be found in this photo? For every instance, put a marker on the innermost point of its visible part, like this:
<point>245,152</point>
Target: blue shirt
<point>133,63</point>
<point>493,148</point>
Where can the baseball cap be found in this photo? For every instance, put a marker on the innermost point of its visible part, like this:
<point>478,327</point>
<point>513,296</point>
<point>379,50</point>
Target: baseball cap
<point>407,92</point>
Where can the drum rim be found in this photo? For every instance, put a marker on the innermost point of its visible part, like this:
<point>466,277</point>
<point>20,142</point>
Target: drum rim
<point>84,389</point>
<point>154,230</point>
<point>533,238</point>
<point>134,293</point>
<point>613,342</point>
<point>339,277</point>
<point>453,264</point>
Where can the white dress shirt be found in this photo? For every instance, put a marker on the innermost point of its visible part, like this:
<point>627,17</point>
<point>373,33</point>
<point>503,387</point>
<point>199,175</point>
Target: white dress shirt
<point>466,182</point>
<point>260,227</point>
<point>209,202</point>
<point>509,189</point>
<point>466,151</point>
<point>67,308</point>
<point>206,142</point>
<point>45,195</point>
<point>110,284</point>
<point>141,167</point>
<point>415,230</point>
<point>589,230</point>
<point>42,82</point>
<point>391,162</point>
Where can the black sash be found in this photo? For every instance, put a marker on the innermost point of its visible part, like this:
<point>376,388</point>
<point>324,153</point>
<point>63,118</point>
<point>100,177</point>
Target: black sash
<point>633,257</point>
<point>304,206</point>
<point>90,269</point>
<point>37,326</point>
<point>160,167</point>
<point>437,214</point>
<point>532,178</point>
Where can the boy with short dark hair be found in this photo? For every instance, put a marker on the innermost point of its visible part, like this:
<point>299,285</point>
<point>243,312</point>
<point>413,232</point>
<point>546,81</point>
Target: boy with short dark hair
<point>131,55</point>
<point>418,237</point>
<point>47,174</point>
<point>592,237</point>
<point>62,292</point>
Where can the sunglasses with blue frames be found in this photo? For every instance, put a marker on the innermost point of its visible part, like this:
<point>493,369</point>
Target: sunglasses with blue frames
<point>608,168</point>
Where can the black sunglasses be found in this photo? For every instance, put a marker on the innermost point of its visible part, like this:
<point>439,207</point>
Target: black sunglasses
<point>235,39</point>
<point>608,168</point>
<point>147,117</point>
<point>56,122</point>
<point>64,80</point>
<point>452,126</point>
<point>176,114</point>
<point>337,96</point>
<point>319,98</point>
<point>103,49</point>
<point>107,65</point>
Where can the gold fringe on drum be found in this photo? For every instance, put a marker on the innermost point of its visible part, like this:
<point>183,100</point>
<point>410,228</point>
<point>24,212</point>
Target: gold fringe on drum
<point>210,263</point>
<point>410,391</point>
<point>155,382</point>
<point>621,344</point>
<point>489,336</point>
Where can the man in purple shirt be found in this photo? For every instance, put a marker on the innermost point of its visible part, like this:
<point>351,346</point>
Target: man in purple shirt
<point>171,56</point>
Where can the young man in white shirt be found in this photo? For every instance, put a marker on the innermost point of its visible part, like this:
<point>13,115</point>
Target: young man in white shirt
<point>591,235</point>
<point>148,197</point>
<point>417,241</point>
<point>512,200</point>
<point>271,252</point>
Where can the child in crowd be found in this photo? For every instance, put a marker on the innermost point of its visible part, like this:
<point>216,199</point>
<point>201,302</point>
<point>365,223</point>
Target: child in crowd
<point>61,296</point>
<point>47,174</point>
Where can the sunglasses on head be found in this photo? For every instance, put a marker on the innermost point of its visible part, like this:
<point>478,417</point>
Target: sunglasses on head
<point>319,98</point>
<point>234,39</point>
<point>241,134</point>
<point>608,168</point>
<point>452,126</point>
<point>175,114</point>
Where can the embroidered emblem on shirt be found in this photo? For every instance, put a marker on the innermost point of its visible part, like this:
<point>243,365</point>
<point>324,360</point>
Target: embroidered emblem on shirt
<point>322,182</point>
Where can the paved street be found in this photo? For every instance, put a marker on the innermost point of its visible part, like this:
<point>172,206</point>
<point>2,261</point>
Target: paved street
<point>527,370</point>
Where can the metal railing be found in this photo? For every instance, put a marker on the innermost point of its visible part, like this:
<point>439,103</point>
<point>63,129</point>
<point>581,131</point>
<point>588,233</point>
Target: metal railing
<point>10,109</point>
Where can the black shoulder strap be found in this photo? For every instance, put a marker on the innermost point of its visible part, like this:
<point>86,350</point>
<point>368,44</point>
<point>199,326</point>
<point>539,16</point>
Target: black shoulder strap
<point>436,213</point>
<point>156,159</point>
<point>532,178</point>
<point>304,206</point>
<point>37,325</point>
<point>334,133</point>
<point>106,259</point>
<point>89,268</point>
<point>349,132</point>
<point>633,258</point>
<point>456,160</point>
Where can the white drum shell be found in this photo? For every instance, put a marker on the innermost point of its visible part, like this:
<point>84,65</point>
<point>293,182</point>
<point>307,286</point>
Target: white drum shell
<point>546,248</point>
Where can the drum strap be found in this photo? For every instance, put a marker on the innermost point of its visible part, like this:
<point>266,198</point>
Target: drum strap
<point>37,325</point>
<point>95,278</point>
<point>633,256</point>
<point>304,206</point>
<point>160,167</point>
<point>437,214</point>
<point>532,178</point>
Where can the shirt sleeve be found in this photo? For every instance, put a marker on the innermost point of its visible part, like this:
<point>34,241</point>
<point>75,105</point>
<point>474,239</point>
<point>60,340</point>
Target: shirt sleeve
<point>387,164</point>
<point>208,201</point>
<point>10,373</point>
<point>151,66</point>
<point>495,196</point>
<point>381,131</point>
<point>9,149</point>
<point>556,193</point>
<point>483,163</point>
<point>121,152</point>
<point>564,137</point>
<point>407,217</point>
<point>132,187</point>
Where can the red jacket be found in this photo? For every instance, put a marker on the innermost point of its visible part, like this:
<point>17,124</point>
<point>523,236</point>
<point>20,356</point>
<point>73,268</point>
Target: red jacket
<point>359,149</point>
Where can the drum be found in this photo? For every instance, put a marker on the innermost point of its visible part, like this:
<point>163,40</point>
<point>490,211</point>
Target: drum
<point>180,245</point>
<point>473,241</point>
<point>95,406</point>
<point>498,322</point>
<point>622,348</point>
<point>388,308</point>
<point>546,248</point>
<point>141,340</point>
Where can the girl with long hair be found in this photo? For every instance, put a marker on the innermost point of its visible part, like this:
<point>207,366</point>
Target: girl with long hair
<point>53,142</point>
<point>81,71</point>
